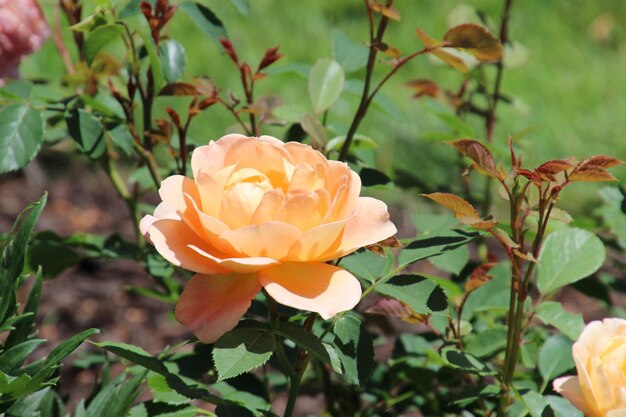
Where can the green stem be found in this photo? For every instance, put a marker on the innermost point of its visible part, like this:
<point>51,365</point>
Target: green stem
<point>301,365</point>
<point>122,191</point>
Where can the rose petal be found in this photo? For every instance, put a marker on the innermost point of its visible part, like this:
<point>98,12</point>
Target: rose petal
<point>210,158</point>
<point>270,239</point>
<point>322,288</point>
<point>304,211</point>
<point>263,156</point>
<point>369,225</point>
<point>315,242</point>
<point>569,387</point>
<point>212,305</point>
<point>240,265</point>
<point>239,204</point>
<point>268,208</point>
<point>172,239</point>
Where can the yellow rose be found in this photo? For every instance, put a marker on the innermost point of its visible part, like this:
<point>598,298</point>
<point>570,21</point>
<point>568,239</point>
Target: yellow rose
<point>599,390</point>
<point>263,213</point>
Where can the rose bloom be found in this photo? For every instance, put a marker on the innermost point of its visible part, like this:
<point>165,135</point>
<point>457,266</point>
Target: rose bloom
<point>599,390</point>
<point>261,213</point>
<point>23,30</point>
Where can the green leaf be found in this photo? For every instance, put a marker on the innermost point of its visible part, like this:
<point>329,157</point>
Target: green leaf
<point>553,313</point>
<point>486,342</point>
<point>87,131</point>
<point>68,346</point>
<point>466,362</point>
<point>555,357</point>
<point>537,405</point>
<point>155,60</point>
<point>452,261</point>
<point>418,292</point>
<point>354,347</point>
<point>122,139</point>
<point>101,37</point>
<point>241,350</point>
<point>315,130</point>
<point>29,406</point>
<point>367,265</point>
<point>162,392</point>
<point>352,56</point>
<point>13,253</point>
<point>325,84</point>
<point>173,60</point>
<point>306,340</point>
<point>242,6</point>
<point>207,21</point>
<point>141,357</point>
<point>233,411</point>
<point>434,245</point>
<point>567,256</point>
<point>562,407</point>
<point>21,135</point>
<point>12,358</point>
<point>25,326</point>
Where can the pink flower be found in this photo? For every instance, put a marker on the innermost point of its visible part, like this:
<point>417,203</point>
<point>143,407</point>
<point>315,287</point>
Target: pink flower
<point>261,213</point>
<point>22,31</point>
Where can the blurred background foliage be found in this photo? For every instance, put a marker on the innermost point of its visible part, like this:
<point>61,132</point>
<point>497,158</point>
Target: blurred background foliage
<point>566,78</point>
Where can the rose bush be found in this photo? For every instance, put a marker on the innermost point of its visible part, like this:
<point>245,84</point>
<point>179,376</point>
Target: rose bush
<point>599,390</point>
<point>263,213</point>
<point>23,30</point>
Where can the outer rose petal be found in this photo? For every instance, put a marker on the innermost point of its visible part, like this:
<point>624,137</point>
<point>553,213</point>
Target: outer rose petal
<point>173,238</point>
<point>369,225</point>
<point>569,387</point>
<point>212,305</point>
<point>325,289</point>
<point>210,158</point>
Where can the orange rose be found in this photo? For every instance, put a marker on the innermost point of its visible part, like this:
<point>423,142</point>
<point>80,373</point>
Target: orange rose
<point>23,30</point>
<point>263,213</point>
<point>599,390</point>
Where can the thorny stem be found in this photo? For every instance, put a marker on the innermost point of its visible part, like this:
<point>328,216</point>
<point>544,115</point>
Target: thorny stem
<point>490,117</point>
<point>301,364</point>
<point>232,111</point>
<point>518,298</point>
<point>369,71</point>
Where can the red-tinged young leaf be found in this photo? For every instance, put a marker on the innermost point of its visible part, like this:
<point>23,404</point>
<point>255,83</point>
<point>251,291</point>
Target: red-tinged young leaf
<point>379,247</point>
<point>554,166</point>
<point>477,223</point>
<point>388,50</point>
<point>461,208</point>
<point>504,238</point>
<point>454,61</point>
<point>423,87</point>
<point>591,173</point>
<point>479,276</point>
<point>391,307</point>
<point>476,40</point>
<point>228,48</point>
<point>601,161</point>
<point>525,256</point>
<point>389,12</point>
<point>205,86</point>
<point>532,176</point>
<point>478,153</point>
<point>207,102</point>
<point>179,89</point>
